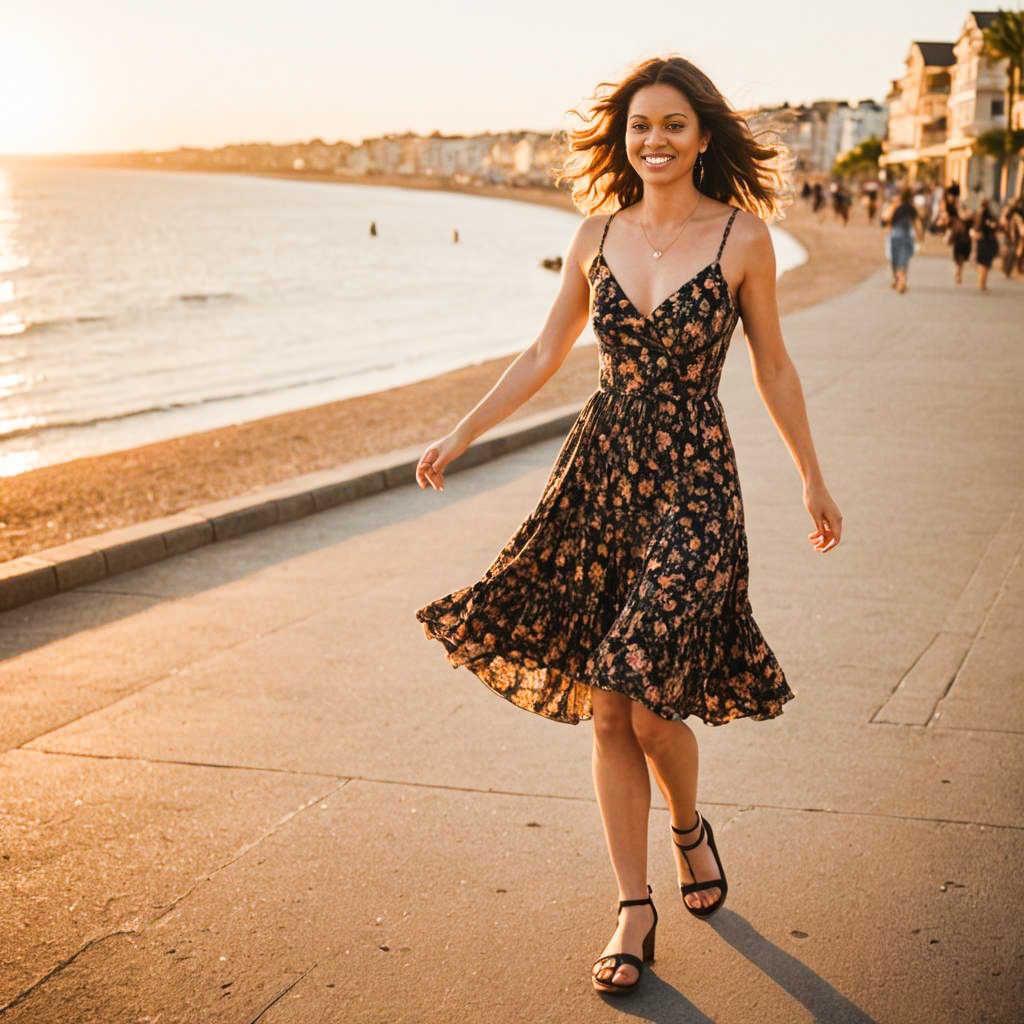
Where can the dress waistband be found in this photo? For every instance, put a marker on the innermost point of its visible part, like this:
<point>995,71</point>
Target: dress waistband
<point>659,396</point>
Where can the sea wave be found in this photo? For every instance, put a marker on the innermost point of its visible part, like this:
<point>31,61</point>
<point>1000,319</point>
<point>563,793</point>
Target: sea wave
<point>17,328</point>
<point>42,425</point>
<point>206,296</point>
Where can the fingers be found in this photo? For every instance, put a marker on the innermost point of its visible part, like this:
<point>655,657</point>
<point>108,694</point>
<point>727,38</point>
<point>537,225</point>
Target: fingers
<point>827,535</point>
<point>428,473</point>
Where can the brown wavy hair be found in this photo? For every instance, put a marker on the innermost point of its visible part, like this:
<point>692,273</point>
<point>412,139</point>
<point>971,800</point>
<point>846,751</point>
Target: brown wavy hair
<point>746,164</point>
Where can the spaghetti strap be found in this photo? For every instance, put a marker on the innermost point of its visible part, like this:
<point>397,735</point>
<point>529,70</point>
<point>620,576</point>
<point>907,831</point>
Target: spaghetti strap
<point>721,248</point>
<point>600,248</point>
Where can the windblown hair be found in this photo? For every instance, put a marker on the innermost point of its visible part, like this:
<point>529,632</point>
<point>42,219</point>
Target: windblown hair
<point>746,164</point>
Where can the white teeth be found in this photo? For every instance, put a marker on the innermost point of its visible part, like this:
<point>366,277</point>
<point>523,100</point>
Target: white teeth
<point>657,159</point>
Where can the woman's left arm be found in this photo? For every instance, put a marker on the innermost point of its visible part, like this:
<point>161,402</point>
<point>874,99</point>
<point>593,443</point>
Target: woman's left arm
<point>777,381</point>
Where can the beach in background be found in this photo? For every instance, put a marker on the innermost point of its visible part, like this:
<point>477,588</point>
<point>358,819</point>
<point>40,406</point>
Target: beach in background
<point>360,370</point>
<point>137,306</point>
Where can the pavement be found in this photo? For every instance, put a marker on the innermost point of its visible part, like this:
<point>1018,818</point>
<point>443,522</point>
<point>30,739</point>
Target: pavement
<point>240,785</point>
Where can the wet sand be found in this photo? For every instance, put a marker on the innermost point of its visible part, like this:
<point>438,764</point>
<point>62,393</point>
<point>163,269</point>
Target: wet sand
<point>54,504</point>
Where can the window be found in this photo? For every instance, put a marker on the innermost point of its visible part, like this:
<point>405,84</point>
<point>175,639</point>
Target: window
<point>997,107</point>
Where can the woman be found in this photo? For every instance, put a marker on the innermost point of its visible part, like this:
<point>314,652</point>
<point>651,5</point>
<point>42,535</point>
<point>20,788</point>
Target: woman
<point>623,595</point>
<point>904,222</point>
<point>1012,224</point>
<point>957,223</point>
<point>986,245</point>
<point>818,200</point>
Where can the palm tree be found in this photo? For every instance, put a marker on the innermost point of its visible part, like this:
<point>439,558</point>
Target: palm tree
<point>1004,40</point>
<point>863,158</point>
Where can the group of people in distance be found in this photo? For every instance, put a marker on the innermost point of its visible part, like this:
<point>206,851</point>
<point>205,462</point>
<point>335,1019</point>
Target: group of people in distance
<point>981,229</point>
<point>988,232</point>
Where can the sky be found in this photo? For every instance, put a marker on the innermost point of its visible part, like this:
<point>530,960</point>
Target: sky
<point>115,75</point>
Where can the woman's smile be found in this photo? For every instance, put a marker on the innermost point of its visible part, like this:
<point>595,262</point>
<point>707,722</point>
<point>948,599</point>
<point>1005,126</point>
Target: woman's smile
<point>657,159</point>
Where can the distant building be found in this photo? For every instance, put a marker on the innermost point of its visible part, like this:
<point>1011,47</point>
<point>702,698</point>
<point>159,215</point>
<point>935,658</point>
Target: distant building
<point>917,114</point>
<point>951,95</point>
<point>826,129</point>
<point>866,120</point>
<point>976,105</point>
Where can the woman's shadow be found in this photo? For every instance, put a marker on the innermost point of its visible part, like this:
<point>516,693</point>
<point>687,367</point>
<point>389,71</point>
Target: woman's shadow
<point>660,1002</point>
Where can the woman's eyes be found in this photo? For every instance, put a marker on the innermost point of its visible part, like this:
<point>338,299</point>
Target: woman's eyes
<point>640,126</point>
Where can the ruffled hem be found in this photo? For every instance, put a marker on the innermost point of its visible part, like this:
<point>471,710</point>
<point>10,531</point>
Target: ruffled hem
<point>529,680</point>
<point>719,670</point>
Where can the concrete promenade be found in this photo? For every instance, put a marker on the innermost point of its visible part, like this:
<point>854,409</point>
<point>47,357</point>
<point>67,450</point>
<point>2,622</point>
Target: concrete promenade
<point>240,785</point>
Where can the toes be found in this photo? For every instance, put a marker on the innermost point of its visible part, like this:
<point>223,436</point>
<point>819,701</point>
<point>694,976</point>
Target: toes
<point>704,898</point>
<point>624,974</point>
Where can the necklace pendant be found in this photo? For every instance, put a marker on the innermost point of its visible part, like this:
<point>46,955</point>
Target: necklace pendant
<point>656,254</point>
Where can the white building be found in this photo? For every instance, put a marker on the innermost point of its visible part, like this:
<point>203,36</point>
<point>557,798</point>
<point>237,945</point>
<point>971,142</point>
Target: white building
<point>860,123</point>
<point>977,104</point>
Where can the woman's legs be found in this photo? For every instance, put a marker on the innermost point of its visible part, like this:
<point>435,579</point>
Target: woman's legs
<point>623,789</point>
<point>901,280</point>
<point>671,748</point>
<point>983,276</point>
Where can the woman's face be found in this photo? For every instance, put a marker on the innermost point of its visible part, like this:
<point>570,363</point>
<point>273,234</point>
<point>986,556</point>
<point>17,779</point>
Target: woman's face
<point>663,135</point>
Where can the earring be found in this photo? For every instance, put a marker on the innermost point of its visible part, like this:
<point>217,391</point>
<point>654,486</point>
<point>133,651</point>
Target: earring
<point>700,169</point>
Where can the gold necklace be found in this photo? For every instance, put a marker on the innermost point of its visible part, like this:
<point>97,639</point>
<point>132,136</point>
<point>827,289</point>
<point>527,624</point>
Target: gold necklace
<point>657,253</point>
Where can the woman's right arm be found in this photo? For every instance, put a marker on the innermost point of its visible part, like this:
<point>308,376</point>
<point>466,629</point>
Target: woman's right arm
<point>532,368</point>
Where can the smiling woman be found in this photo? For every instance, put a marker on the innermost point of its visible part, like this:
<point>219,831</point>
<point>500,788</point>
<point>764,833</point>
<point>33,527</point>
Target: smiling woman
<point>623,596</point>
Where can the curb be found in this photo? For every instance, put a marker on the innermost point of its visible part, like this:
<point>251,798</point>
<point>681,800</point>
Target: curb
<point>79,562</point>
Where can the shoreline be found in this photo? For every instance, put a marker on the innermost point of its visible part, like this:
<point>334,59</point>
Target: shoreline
<point>55,504</point>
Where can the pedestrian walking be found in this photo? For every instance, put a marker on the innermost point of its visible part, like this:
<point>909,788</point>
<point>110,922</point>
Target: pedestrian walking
<point>904,222</point>
<point>957,223</point>
<point>845,203</point>
<point>818,199</point>
<point>1012,223</point>
<point>984,227</point>
<point>840,202</point>
<point>938,196</point>
<point>871,200</point>
<point>623,596</point>
<point>922,204</point>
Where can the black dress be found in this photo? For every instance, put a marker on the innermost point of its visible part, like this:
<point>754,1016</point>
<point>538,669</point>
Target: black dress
<point>960,232</point>
<point>631,572</point>
<point>987,245</point>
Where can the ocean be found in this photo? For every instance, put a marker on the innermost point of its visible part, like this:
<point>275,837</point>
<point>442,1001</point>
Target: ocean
<point>137,306</point>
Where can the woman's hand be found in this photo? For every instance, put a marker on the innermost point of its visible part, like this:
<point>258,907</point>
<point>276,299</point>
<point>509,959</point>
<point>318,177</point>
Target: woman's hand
<point>430,468</point>
<point>828,520</point>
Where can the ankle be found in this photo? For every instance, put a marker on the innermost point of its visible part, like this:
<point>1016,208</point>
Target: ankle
<point>687,828</point>
<point>633,905</point>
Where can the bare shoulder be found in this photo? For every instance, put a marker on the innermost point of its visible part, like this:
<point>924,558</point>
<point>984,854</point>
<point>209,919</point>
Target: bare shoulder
<point>751,245</point>
<point>587,240</point>
<point>749,231</point>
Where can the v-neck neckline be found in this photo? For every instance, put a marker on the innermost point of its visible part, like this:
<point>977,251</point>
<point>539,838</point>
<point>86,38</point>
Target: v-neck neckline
<point>714,264</point>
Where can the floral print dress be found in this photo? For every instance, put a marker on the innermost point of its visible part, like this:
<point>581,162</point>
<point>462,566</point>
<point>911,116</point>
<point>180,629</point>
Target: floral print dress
<point>631,573</point>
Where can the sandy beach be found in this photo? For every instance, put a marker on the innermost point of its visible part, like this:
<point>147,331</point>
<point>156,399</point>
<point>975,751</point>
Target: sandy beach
<point>55,504</point>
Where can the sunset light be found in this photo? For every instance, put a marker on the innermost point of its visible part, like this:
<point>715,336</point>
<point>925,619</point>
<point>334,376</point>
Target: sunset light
<point>386,387</point>
<point>35,98</point>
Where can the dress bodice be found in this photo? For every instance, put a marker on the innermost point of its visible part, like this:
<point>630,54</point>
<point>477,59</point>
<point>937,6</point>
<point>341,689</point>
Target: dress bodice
<point>676,351</point>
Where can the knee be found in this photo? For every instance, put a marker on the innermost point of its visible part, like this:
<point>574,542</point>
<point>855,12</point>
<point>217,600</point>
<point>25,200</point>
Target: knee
<point>653,732</point>
<point>612,725</point>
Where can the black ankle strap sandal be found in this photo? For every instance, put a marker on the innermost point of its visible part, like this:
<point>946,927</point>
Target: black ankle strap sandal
<point>715,883</point>
<point>616,960</point>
